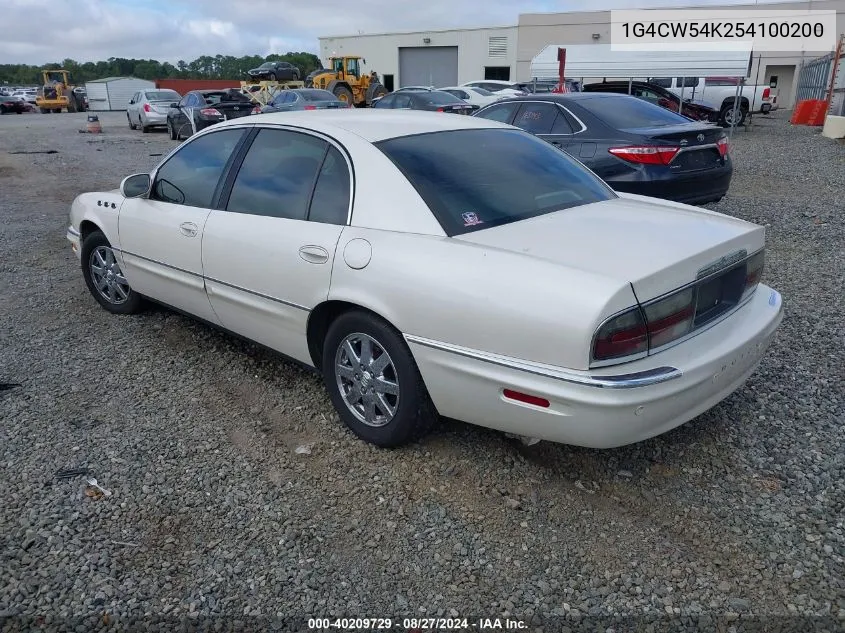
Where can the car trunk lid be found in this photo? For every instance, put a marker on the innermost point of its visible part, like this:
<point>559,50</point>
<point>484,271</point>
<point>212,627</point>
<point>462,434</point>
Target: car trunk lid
<point>652,244</point>
<point>232,109</point>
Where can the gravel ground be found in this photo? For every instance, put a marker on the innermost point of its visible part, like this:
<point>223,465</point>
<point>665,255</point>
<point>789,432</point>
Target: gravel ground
<point>738,515</point>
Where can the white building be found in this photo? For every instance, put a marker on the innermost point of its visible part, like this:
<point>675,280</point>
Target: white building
<point>114,93</point>
<point>453,56</point>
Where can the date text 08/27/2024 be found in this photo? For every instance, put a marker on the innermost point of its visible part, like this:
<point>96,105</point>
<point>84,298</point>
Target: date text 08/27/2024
<point>411,625</point>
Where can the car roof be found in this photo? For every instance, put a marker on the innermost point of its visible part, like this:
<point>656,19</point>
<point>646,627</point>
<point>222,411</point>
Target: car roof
<point>371,125</point>
<point>568,97</point>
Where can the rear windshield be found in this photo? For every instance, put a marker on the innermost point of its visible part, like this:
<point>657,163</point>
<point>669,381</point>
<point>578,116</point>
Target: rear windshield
<point>440,98</point>
<point>477,179</point>
<point>624,112</point>
<point>163,95</point>
<point>317,95</point>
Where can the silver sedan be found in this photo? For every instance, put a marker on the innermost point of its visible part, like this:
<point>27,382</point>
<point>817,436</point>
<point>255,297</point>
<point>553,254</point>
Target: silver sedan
<point>148,108</point>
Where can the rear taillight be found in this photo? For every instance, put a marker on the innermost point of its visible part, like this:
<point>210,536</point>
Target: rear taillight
<point>440,110</point>
<point>256,110</point>
<point>622,335</point>
<point>671,318</point>
<point>754,272</point>
<point>147,108</point>
<point>210,112</point>
<point>646,154</point>
<point>767,93</point>
<point>646,328</point>
<point>722,145</point>
<point>309,107</point>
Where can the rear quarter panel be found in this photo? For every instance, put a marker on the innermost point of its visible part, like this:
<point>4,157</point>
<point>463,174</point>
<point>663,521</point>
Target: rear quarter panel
<point>478,297</point>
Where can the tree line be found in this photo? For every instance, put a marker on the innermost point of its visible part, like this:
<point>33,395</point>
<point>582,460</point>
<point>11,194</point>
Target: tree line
<point>204,67</point>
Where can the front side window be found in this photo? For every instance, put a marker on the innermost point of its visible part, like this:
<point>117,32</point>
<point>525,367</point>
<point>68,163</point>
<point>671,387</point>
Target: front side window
<point>191,175</point>
<point>502,112</point>
<point>468,187</point>
<point>277,175</point>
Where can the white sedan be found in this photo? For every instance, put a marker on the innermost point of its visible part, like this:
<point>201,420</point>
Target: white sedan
<point>474,95</point>
<point>397,254</point>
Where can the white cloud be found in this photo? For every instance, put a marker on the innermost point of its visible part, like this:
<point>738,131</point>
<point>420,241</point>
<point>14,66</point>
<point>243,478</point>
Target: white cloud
<point>42,31</point>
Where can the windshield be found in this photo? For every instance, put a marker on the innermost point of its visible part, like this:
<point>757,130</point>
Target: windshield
<point>317,95</point>
<point>624,112</point>
<point>266,65</point>
<point>440,98</point>
<point>477,179</point>
<point>163,95</point>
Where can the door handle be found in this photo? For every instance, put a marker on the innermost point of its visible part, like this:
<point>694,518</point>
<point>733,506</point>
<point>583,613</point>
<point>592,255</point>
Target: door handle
<point>314,254</point>
<point>188,229</point>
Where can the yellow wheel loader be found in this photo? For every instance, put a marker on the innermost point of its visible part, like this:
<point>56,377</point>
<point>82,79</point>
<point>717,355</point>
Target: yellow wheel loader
<point>345,80</point>
<point>57,93</point>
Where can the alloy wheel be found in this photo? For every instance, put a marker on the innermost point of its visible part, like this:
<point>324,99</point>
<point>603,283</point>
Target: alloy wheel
<point>367,379</point>
<point>107,276</point>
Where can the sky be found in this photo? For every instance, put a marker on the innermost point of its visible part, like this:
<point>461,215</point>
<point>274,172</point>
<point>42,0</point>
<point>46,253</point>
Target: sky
<point>170,30</point>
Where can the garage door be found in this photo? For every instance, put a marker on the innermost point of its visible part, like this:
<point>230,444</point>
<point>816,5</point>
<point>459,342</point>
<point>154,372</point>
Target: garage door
<point>428,66</point>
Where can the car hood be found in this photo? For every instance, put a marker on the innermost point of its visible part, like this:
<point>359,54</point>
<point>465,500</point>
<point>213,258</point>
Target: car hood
<point>655,245</point>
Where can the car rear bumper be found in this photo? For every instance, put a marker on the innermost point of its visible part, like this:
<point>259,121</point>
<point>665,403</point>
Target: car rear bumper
<point>692,188</point>
<point>601,409</point>
<point>154,118</point>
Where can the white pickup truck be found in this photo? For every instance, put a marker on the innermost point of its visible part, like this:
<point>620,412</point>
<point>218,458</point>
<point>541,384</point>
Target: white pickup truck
<point>719,93</point>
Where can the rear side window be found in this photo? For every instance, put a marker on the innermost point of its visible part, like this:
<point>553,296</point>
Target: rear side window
<point>624,112</point>
<point>537,118</point>
<point>468,186</point>
<point>330,202</point>
<point>277,175</point>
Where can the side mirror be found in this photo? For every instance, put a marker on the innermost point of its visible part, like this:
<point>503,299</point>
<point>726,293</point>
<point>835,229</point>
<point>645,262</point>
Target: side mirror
<point>174,105</point>
<point>131,102</point>
<point>135,185</point>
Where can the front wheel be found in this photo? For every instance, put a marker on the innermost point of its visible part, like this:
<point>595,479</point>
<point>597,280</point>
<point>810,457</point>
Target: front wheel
<point>129,120</point>
<point>373,381</point>
<point>171,131</point>
<point>104,276</point>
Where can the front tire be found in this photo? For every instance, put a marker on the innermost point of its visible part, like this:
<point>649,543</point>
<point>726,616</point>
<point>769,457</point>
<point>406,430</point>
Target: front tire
<point>373,381</point>
<point>131,125</point>
<point>104,277</point>
<point>271,77</point>
<point>171,131</point>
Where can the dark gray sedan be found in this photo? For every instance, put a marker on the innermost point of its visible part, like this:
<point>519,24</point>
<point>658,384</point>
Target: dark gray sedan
<point>303,99</point>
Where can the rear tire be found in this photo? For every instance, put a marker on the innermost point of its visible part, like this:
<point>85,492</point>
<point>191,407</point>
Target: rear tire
<point>726,115</point>
<point>386,376</point>
<point>104,277</point>
<point>271,77</point>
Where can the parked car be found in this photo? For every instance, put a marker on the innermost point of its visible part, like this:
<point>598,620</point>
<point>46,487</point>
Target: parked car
<point>304,99</point>
<point>719,93</point>
<point>199,109</point>
<point>473,95</point>
<point>657,312</point>
<point>10,104</point>
<point>149,108</point>
<point>505,88</point>
<point>275,71</point>
<point>539,86</point>
<point>27,95</point>
<point>658,96</point>
<point>433,100</point>
<point>633,145</point>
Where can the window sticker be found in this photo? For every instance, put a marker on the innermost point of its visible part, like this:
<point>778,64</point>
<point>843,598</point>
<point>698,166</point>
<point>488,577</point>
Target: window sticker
<point>470,218</point>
